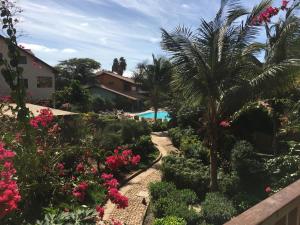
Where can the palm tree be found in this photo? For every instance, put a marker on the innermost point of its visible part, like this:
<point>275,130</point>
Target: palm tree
<point>217,64</point>
<point>155,80</point>
<point>122,65</point>
<point>115,66</point>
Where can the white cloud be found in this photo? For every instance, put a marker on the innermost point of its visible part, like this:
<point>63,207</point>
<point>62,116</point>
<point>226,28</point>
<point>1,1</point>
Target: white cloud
<point>84,24</point>
<point>185,6</point>
<point>69,50</point>
<point>38,48</point>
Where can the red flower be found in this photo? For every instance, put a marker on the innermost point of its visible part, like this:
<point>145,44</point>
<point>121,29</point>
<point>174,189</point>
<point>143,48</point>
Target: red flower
<point>6,99</point>
<point>106,176</point>
<point>44,118</point>
<point>79,191</point>
<point>9,192</point>
<point>135,160</point>
<point>80,168</point>
<point>118,199</point>
<point>100,211</point>
<point>268,190</point>
<point>113,183</point>
<point>284,4</point>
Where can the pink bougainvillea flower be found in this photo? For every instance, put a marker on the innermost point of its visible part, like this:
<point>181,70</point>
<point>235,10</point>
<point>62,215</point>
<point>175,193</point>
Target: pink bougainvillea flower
<point>106,176</point>
<point>284,4</point>
<point>80,168</point>
<point>225,124</point>
<point>268,189</point>
<point>43,119</point>
<point>79,191</point>
<point>100,211</point>
<point>9,192</point>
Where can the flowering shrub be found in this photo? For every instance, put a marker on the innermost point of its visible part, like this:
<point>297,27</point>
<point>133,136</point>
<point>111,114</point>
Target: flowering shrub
<point>123,158</point>
<point>43,119</point>
<point>266,15</point>
<point>9,193</point>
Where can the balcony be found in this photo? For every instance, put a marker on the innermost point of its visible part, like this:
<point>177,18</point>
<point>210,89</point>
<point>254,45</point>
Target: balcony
<point>282,208</point>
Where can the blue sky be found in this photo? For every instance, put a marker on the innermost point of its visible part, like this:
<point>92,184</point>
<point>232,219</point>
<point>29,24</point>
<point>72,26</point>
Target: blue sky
<point>56,30</point>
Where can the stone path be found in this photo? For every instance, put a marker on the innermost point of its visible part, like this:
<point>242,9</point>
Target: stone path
<point>137,189</point>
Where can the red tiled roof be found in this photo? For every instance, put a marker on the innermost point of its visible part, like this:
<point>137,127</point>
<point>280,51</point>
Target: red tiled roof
<point>127,79</point>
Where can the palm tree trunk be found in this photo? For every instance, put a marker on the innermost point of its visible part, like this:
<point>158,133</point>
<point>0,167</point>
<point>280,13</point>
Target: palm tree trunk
<point>155,113</point>
<point>213,140</point>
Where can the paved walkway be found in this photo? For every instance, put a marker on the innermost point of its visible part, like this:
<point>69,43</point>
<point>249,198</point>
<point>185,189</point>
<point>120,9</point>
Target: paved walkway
<point>137,189</point>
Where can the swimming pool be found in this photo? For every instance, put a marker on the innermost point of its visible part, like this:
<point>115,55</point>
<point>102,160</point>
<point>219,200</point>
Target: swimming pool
<point>160,115</point>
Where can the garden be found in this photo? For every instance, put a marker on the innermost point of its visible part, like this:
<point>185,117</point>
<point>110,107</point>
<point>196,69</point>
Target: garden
<point>234,108</point>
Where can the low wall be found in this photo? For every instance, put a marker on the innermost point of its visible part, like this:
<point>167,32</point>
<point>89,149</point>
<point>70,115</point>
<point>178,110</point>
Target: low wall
<point>282,208</point>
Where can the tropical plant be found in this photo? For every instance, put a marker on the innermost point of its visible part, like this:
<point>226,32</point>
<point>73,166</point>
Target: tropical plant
<point>81,69</point>
<point>119,66</point>
<point>218,66</point>
<point>155,80</point>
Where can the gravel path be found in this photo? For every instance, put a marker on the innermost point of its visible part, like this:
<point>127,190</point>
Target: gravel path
<point>137,189</point>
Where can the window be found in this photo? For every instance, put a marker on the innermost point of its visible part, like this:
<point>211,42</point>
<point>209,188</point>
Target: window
<point>25,83</point>
<point>44,82</point>
<point>23,60</point>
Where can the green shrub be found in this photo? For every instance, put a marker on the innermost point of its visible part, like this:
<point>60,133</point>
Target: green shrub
<point>229,184</point>
<point>283,170</point>
<point>170,207</point>
<point>161,189</point>
<point>168,190</point>
<point>243,201</point>
<point>217,209</point>
<point>170,220</point>
<point>246,164</point>
<point>83,216</point>
<point>186,173</point>
<point>159,125</point>
<point>176,134</point>
<point>192,147</point>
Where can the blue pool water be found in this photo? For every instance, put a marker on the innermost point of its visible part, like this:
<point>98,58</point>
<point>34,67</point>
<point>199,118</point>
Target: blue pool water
<point>160,115</point>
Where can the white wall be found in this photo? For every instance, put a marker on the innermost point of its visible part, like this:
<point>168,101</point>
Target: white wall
<point>32,70</point>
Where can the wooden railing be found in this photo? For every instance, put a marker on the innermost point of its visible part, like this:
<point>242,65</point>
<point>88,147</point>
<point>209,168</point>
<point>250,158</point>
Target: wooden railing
<point>282,208</point>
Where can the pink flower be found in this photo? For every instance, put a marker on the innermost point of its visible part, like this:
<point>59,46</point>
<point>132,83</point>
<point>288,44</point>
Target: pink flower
<point>100,211</point>
<point>284,4</point>
<point>43,119</point>
<point>135,160</point>
<point>80,168</point>
<point>118,199</point>
<point>113,183</point>
<point>224,123</point>
<point>268,190</point>
<point>79,191</point>
<point>106,176</point>
<point>9,192</point>
<point>5,99</point>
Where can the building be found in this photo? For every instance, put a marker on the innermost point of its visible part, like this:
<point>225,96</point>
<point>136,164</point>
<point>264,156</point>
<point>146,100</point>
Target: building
<point>39,78</point>
<point>117,88</point>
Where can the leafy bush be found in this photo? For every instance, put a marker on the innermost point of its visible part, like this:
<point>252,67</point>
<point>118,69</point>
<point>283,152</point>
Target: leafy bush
<point>161,189</point>
<point>192,147</point>
<point>83,216</point>
<point>165,189</point>
<point>159,125</point>
<point>243,201</point>
<point>176,134</point>
<point>283,170</point>
<point>246,164</point>
<point>186,173</point>
<point>170,220</point>
<point>169,201</point>
<point>170,207</point>
<point>229,184</point>
<point>217,209</point>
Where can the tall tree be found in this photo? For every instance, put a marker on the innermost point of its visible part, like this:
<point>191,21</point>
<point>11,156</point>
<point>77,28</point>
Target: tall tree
<point>115,66</point>
<point>81,69</point>
<point>122,65</point>
<point>119,66</point>
<point>217,65</point>
<point>155,79</point>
